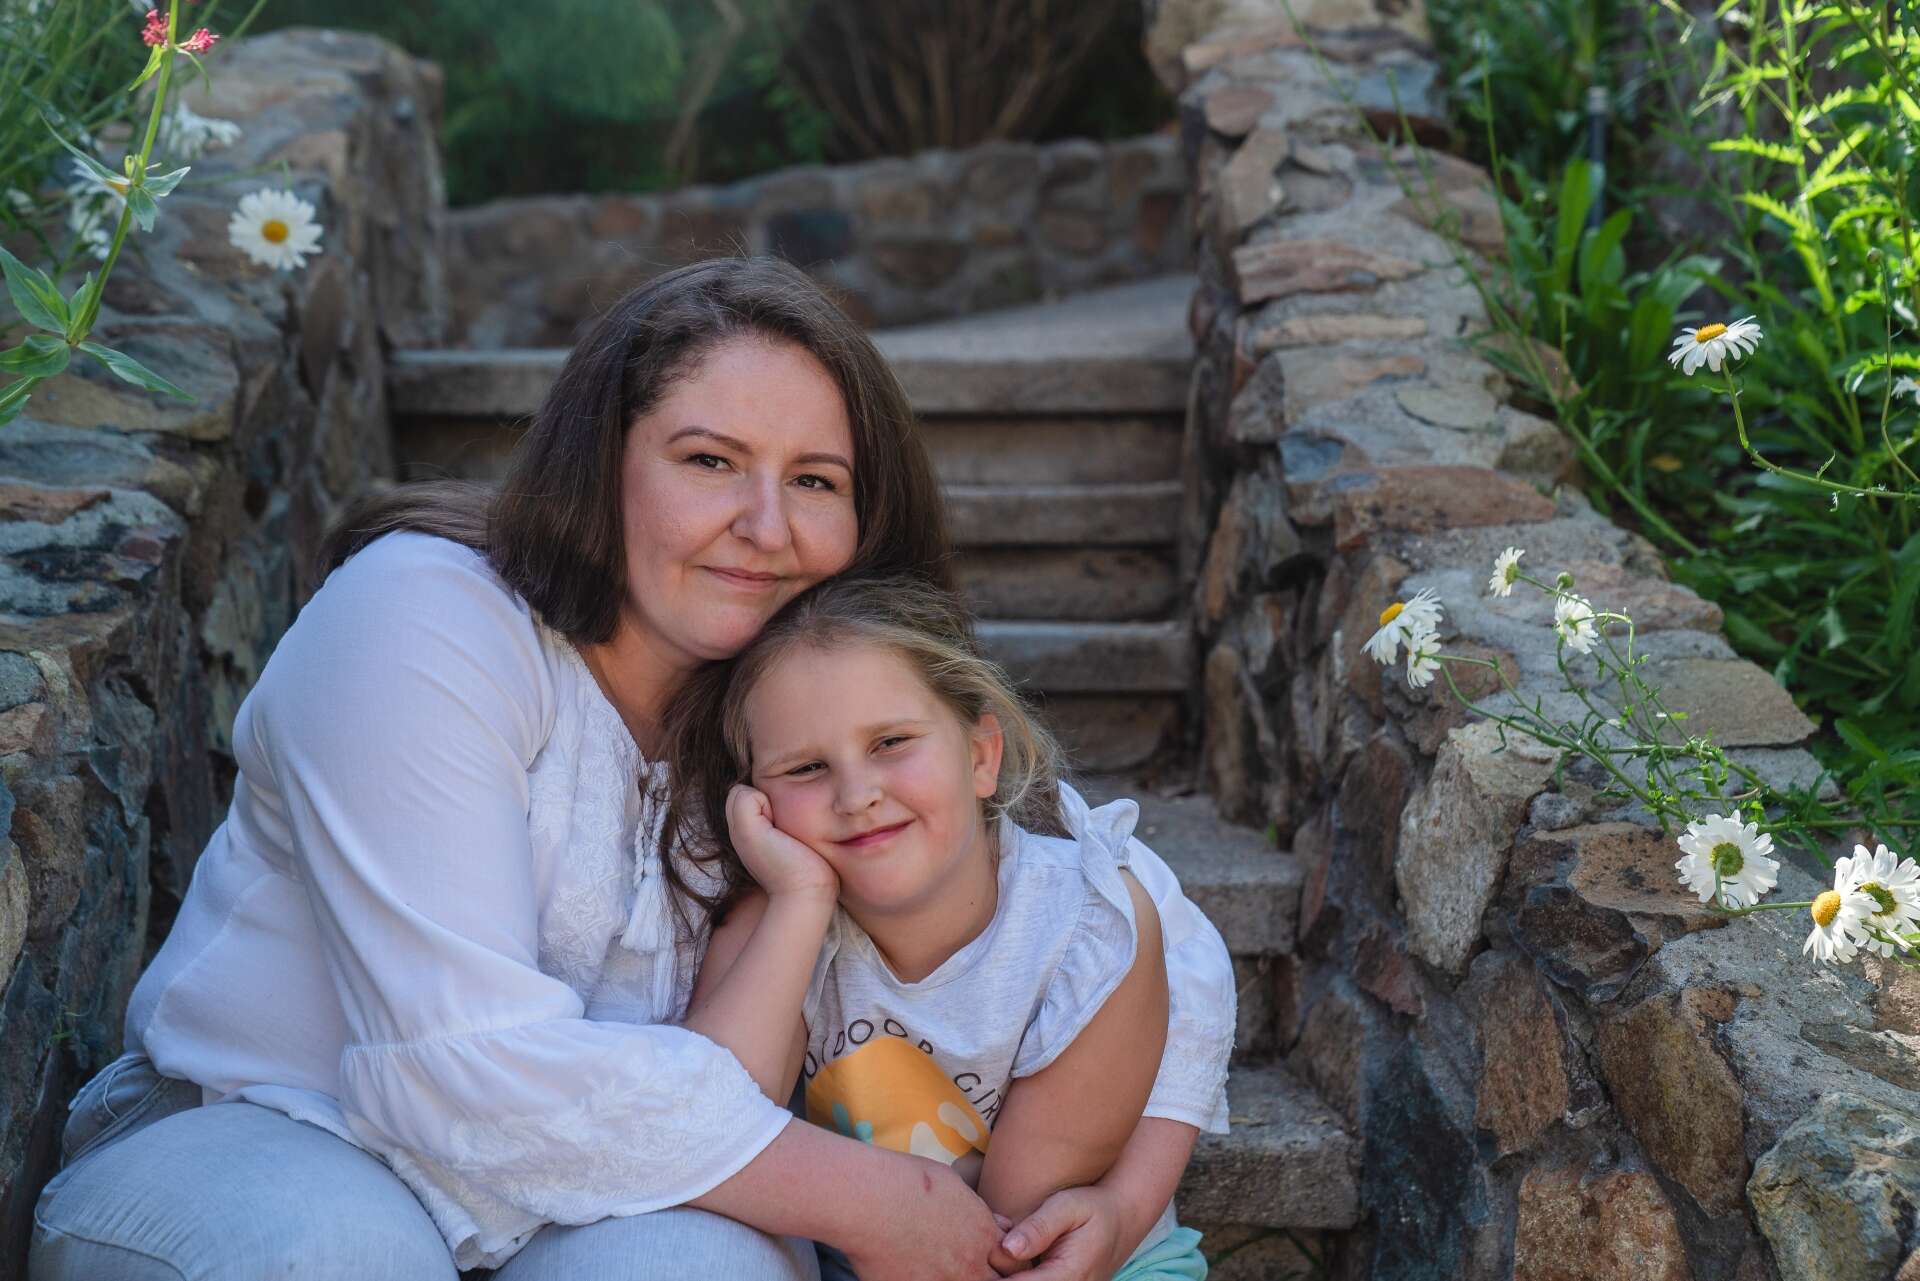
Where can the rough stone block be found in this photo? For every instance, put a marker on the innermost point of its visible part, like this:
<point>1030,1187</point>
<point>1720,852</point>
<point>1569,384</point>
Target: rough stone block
<point>1427,499</point>
<point>1734,701</point>
<point>1578,1222</point>
<point>15,906</point>
<point>1282,268</point>
<point>1677,1094</point>
<point>1835,1196</point>
<point>1455,836</point>
<point>1523,1085</point>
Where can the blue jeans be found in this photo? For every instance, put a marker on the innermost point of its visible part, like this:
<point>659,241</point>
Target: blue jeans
<point>155,1187</point>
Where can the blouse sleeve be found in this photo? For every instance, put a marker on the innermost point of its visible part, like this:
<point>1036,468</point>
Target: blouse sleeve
<point>1096,957</point>
<point>1192,1084</point>
<point>394,726</point>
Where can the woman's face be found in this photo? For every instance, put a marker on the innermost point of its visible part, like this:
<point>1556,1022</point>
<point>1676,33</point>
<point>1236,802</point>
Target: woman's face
<point>736,495</point>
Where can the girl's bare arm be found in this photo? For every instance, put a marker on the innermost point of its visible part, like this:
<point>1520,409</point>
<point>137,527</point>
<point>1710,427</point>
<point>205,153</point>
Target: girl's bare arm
<point>1066,1125</point>
<point>753,983</point>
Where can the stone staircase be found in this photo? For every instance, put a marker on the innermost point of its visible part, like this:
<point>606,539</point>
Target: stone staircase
<point>1056,430</point>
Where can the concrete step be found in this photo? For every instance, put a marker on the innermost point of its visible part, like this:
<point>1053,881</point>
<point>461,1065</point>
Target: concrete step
<point>1123,350</point>
<point>1090,658</point>
<point>1139,515</point>
<point>1079,584</point>
<point>1058,449</point>
<point>1288,1162</point>
<point>1108,732</point>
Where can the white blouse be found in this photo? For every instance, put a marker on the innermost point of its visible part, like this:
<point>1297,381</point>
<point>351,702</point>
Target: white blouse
<point>435,922</point>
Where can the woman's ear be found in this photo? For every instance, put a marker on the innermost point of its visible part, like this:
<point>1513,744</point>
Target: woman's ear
<point>986,743</point>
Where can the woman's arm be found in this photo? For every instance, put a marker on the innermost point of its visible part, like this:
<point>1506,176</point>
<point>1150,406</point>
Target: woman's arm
<point>1067,1124</point>
<point>753,981</point>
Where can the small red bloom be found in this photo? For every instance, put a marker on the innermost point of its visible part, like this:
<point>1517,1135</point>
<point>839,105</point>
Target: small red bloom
<point>155,32</point>
<point>199,42</point>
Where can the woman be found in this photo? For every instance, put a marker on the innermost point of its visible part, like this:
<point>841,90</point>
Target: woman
<point>428,967</point>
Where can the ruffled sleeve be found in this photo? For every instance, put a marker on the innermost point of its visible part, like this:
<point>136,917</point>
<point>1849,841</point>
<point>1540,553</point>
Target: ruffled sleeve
<point>1098,953</point>
<point>1192,1084</point>
<point>390,739</point>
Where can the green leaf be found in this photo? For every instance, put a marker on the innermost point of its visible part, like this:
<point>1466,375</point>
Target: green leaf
<point>85,298</point>
<point>145,208</point>
<point>164,183</point>
<point>130,370</point>
<point>154,60</point>
<point>1857,738</point>
<point>40,356</point>
<point>14,398</point>
<point>1754,147</point>
<point>93,166</point>
<point>37,297</point>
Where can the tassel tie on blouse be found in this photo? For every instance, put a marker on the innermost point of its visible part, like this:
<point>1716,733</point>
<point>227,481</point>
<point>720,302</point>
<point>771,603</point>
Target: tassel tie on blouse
<point>650,925</point>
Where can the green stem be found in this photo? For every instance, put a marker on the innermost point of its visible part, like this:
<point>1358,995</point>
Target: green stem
<point>139,169</point>
<point>1740,425</point>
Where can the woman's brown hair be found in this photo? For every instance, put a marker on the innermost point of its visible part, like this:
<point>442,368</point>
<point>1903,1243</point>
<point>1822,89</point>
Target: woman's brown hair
<point>705,726</point>
<point>553,530</point>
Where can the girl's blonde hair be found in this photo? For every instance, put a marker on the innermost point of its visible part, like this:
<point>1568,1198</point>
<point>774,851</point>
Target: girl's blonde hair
<point>922,623</point>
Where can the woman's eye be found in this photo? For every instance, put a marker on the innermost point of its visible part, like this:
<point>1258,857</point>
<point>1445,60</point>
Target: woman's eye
<point>711,462</point>
<point>821,483</point>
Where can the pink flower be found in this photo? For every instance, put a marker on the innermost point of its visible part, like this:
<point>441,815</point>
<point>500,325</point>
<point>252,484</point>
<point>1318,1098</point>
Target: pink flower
<point>155,32</point>
<point>199,42</point>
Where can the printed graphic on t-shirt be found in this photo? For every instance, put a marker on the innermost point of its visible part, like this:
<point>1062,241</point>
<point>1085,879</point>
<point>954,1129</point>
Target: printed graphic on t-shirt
<point>890,1092</point>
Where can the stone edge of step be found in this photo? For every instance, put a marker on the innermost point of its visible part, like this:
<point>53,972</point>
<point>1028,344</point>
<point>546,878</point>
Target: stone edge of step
<point>1287,1161</point>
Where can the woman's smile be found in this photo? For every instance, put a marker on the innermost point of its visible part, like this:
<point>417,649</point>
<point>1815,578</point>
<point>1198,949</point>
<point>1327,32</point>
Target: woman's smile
<point>745,579</point>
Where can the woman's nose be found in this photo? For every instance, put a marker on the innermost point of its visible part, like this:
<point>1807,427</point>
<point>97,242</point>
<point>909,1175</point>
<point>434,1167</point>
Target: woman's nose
<point>762,518</point>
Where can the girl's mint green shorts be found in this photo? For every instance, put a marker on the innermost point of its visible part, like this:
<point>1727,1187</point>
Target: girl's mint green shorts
<point>1176,1258</point>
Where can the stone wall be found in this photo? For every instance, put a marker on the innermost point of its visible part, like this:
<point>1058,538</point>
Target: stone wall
<point>936,235</point>
<point>1559,1065</point>
<point>152,552</point>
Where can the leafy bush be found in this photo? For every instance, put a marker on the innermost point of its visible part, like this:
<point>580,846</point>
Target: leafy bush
<point>1802,517</point>
<point>587,95</point>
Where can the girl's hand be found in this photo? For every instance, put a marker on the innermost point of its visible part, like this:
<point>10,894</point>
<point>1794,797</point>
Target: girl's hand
<point>1073,1236</point>
<point>783,866</point>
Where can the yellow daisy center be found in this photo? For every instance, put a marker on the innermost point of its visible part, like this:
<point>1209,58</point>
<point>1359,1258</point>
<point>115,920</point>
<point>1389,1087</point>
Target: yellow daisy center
<point>1883,900</point>
<point>1391,612</point>
<point>273,231</point>
<point>1726,859</point>
<point>1826,906</point>
<point>1707,333</point>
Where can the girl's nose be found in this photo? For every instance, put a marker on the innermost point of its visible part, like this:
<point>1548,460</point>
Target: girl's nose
<point>857,791</point>
<point>762,518</point>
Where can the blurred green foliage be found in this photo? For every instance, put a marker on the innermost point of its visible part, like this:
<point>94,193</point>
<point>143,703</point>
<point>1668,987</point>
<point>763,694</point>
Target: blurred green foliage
<point>594,95</point>
<point>1790,131</point>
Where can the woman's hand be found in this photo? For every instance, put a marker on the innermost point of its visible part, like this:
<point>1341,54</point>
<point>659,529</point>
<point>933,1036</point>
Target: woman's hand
<point>1073,1236</point>
<point>942,1232</point>
<point>783,866</point>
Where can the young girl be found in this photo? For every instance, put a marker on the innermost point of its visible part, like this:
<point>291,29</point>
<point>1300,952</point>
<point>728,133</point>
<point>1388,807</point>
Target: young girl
<point>933,934</point>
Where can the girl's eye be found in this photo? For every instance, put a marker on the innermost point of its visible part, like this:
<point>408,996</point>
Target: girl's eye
<point>821,483</point>
<point>894,740</point>
<point>801,771</point>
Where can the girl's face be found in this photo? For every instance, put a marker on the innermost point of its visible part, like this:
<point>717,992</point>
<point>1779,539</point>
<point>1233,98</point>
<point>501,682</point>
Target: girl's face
<point>866,766</point>
<point>736,496</point>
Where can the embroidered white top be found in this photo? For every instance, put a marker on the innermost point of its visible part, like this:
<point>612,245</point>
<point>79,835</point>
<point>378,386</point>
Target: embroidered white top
<point>434,922</point>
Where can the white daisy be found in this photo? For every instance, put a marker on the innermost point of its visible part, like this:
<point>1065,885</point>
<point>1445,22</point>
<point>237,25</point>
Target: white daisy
<point>275,229</point>
<point>1573,620</point>
<point>1712,344</point>
<point>1904,386</point>
<point>1506,568</point>
<point>1423,657</point>
<point>1835,918</point>
<point>1720,849</point>
<point>185,133</point>
<point>1891,887</point>
<point>1400,622</point>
